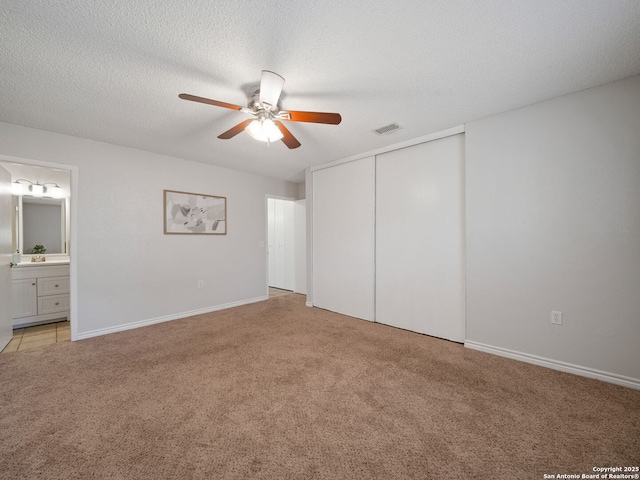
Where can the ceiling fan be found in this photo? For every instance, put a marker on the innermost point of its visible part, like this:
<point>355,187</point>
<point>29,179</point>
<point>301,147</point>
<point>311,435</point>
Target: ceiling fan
<point>265,108</point>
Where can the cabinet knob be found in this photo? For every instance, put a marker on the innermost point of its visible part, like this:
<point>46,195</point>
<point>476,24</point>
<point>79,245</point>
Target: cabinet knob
<point>57,303</point>
<point>56,285</point>
<point>33,284</point>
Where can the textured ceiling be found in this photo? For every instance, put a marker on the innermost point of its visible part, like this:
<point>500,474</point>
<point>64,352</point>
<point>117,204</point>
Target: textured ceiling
<point>112,70</point>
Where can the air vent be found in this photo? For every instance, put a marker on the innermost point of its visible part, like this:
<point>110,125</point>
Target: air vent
<point>392,127</point>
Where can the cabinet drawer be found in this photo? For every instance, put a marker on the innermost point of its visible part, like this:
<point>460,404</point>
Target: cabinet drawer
<point>53,285</point>
<point>53,304</point>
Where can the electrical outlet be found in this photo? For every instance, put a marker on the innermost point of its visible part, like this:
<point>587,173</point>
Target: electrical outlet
<point>200,283</point>
<point>556,317</point>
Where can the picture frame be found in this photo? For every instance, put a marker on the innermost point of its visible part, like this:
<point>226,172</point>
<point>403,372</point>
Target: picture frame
<point>194,213</point>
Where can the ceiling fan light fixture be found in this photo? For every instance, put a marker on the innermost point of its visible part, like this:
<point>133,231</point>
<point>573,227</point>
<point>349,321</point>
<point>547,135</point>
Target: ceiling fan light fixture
<point>264,130</point>
<point>266,111</point>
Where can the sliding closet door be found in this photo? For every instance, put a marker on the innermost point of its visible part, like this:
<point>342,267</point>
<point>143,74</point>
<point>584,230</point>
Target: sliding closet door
<point>420,238</point>
<point>343,238</point>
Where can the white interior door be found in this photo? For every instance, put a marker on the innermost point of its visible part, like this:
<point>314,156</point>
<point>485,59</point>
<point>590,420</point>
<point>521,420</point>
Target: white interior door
<point>281,243</point>
<point>343,238</point>
<point>420,238</point>
<point>6,322</point>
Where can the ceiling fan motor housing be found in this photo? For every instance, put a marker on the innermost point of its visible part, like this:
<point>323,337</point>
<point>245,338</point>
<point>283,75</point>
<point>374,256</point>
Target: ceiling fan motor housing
<point>254,101</point>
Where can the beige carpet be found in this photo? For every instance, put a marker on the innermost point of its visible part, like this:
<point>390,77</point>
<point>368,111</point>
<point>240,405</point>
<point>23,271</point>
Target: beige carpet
<point>277,390</point>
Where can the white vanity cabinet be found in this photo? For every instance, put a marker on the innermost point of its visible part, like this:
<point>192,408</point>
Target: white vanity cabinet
<point>39,293</point>
<point>24,298</point>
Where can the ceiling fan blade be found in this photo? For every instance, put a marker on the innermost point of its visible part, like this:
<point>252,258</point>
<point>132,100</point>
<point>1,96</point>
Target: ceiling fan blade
<point>232,132</point>
<point>288,139</point>
<point>193,98</point>
<point>313,117</point>
<point>270,88</point>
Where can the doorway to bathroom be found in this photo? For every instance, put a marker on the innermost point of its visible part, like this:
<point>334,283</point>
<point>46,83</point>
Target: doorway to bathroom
<point>40,306</point>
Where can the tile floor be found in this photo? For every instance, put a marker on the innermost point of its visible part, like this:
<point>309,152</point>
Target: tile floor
<point>33,337</point>
<point>277,292</point>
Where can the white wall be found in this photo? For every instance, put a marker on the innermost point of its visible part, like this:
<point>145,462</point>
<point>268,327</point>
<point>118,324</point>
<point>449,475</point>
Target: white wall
<point>553,223</point>
<point>302,191</point>
<point>128,270</point>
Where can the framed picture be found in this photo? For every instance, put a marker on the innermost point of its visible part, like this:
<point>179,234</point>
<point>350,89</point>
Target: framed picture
<point>194,213</point>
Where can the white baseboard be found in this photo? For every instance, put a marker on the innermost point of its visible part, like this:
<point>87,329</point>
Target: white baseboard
<point>556,365</point>
<point>167,318</point>
<point>308,304</point>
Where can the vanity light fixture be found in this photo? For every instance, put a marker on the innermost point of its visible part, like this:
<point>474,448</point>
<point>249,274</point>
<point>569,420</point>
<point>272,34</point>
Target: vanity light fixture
<point>36,189</point>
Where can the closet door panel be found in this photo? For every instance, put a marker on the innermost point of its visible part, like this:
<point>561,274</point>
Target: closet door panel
<point>420,238</point>
<point>343,238</point>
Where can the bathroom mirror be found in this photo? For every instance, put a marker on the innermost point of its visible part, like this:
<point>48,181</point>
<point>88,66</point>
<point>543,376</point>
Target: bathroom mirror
<point>42,221</point>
